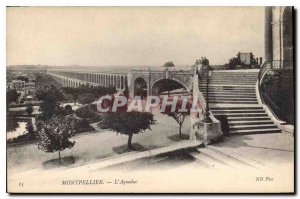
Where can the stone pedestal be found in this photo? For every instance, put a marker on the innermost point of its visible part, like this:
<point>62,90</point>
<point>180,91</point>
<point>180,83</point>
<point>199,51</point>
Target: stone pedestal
<point>208,132</point>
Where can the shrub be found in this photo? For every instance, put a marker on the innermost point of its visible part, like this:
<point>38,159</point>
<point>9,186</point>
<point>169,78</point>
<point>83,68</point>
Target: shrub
<point>85,112</point>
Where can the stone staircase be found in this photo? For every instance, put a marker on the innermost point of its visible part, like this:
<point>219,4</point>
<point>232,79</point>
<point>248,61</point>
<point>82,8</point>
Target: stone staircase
<point>232,95</point>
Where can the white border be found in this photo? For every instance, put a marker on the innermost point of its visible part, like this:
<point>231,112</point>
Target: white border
<point>4,3</point>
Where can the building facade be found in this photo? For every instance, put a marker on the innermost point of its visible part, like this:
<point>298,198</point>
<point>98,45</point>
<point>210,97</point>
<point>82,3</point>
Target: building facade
<point>279,36</point>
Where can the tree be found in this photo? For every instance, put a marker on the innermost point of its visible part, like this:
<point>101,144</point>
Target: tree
<point>177,115</point>
<point>127,123</point>
<point>50,91</point>
<point>85,89</point>
<point>22,78</point>
<point>68,109</point>
<point>86,112</point>
<point>50,94</point>
<point>48,108</point>
<point>169,64</point>
<point>12,96</point>
<point>11,124</point>
<point>86,98</point>
<point>55,133</point>
<point>29,109</point>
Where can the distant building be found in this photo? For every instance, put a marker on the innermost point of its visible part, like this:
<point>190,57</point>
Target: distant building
<point>245,58</point>
<point>16,84</point>
<point>29,87</point>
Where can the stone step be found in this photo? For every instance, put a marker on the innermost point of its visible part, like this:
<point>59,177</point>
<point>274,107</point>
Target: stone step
<point>255,131</point>
<point>211,96</point>
<point>252,126</point>
<point>244,114</point>
<point>238,111</point>
<point>229,94</point>
<point>231,77</point>
<point>231,102</point>
<point>232,99</point>
<point>223,88</point>
<point>229,86</point>
<point>224,158</point>
<point>237,123</point>
<point>236,82</point>
<point>227,74</point>
<point>230,83</point>
<point>226,93</point>
<point>241,80</point>
<point>201,161</point>
<point>237,156</point>
<point>236,108</point>
<point>208,161</point>
<point>250,118</point>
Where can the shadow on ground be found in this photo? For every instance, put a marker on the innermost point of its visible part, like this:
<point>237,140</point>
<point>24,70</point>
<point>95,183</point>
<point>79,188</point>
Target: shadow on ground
<point>55,163</point>
<point>124,149</point>
<point>176,138</point>
<point>160,162</point>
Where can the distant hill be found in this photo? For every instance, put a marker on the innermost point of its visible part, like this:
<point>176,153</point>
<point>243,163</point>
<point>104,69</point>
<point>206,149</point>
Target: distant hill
<point>26,67</point>
<point>90,68</point>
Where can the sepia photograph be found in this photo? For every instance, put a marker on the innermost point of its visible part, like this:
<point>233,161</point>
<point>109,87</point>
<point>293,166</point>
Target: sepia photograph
<point>164,99</point>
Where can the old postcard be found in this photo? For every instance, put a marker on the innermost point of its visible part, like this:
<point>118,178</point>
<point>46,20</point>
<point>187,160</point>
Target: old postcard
<point>150,100</point>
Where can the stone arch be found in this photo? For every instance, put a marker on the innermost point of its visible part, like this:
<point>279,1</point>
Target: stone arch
<point>122,82</point>
<point>111,80</point>
<point>140,87</point>
<point>118,82</point>
<point>177,82</point>
<point>126,82</point>
<point>115,81</point>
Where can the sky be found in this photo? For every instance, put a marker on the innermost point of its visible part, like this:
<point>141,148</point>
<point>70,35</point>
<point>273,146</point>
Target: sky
<point>131,36</point>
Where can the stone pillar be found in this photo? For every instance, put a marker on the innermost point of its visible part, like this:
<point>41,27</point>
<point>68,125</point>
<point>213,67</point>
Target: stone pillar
<point>130,84</point>
<point>268,34</point>
<point>199,130</point>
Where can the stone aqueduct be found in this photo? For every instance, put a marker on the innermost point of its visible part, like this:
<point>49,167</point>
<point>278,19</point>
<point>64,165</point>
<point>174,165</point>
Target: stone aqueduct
<point>122,79</point>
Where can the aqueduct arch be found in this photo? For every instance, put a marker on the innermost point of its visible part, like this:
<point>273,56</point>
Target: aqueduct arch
<point>140,87</point>
<point>163,84</point>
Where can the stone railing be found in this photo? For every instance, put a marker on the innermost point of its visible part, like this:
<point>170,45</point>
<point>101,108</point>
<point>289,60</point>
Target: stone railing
<point>269,66</point>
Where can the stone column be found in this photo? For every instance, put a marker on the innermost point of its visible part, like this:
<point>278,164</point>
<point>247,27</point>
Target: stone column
<point>268,34</point>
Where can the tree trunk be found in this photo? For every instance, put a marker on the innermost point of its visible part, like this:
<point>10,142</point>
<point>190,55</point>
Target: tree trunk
<point>180,131</point>
<point>59,157</point>
<point>129,141</point>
